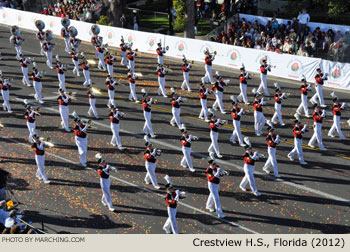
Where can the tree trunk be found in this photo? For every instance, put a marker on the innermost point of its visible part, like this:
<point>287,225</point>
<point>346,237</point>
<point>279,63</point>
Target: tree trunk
<point>117,8</point>
<point>190,22</point>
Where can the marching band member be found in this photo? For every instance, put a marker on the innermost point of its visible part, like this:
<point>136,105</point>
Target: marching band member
<point>60,69</point>
<point>30,115</point>
<point>115,116</point>
<point>40,35</point>
<point>243,77</point>
<point>146,105</point>
<point>186,67</point>
<point>259,119</point>
<point>186,149</point>
<point>161,71</point>
<point>175,110</point>
<point>132,96</point>
<point>236,113</point>
<point>160,52</point>
<point>218,86</point>
<point>263,76</point>
<point>172,197</point>
<point>63,102</point>
<point>109,62</point>
<point>272,141</point>
<point>24,62</point>
<point>100,54</point>
<point>80,129</point>
<point>304,88</point>
<point>213,173</point>
<point>319,81</point>
<point>150,164</point>
<point>337,108</point>
<point>110,88</point>
<point>39,149</point>
<point>5,87</point>
<point>131,57</point>
<point>36,77</point>
<point>208,77</point>
<point>318,116</point>
<point>298,131</point>
<point>74,43</point>
<point>65,33</point>
<point>16,40</point>
<point>214,135</point>
<point>203,92</point>
<point>103,171</point>
<point>48,48</point>
<point>85,65</point>
<point>92,102</point>
<point>249,161</point>
<point>75,60</point>
<point>123,48</point>
<point>278,96</point>
<point>95,39</point>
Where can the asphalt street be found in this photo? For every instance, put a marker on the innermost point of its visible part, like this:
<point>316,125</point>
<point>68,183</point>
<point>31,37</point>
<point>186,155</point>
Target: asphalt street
<point>314,198</point>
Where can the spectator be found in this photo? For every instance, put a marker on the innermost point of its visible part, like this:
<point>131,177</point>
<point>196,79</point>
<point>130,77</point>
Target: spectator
<point>308,49</point>
<point>3,213</point>
<point>123,20</point>
<point>304,19</point>
<point>135,20</point>
<point>337,36</point>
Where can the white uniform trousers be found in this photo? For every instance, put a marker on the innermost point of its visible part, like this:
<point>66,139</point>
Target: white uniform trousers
<point>111,98</point>
<point>218,101</point>
<point>49,59</point>
<point>110,70</point>
<point>115,131</point>
<point>298,148</point>
<point>66,41</point>
<point>6,96</point>
<point>187,160</point>
<point>106,194</point>
<point>124,60</point>
<point>37,87</point>
<point>214,146</point>
<point>277,114</point>
<point>132,95</point>
<point>161,89</point>
<point>263,84</point>
<point>18,51</point>
<point>249,178</point>
<point>186,82</point>
<point>25,78</point>
<point>237,132</point>
<point>204,110</point>
<point>171,221</point>
<point>259,122</point>
<point>208,77</point>
<point>271,161</point>
<point>243,94</point>
<point>64,112</point>
<point>101,61</point>
<point>40,162</point>
<point>87,77</point>
<point>303,105</point>
<point>160,59</point>
<point>317,135</point>
<point>151,174</point>
<point>76,67</point>
<point>176,117</point>
<point>62,81</point>
<point>336,126</point>
<point>147,128</point>
<point>92,109</point>
<point>42,52</point>
<point>214,198</point>
<point>31,129</point>
<point>82,145</point>
<point>131,66</point>
<point>318,95</point>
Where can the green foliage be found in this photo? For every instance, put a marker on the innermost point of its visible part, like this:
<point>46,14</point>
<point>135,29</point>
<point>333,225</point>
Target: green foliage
<point>104,21</point>
<point>180,22</point>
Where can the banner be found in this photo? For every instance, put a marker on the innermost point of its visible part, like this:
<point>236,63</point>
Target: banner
<point>283,65</point>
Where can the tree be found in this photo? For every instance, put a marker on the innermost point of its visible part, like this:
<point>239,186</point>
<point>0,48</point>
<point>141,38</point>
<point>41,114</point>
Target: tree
<point>335,7</point>
<point>116,10</point>
<point>190,22</point>
<point>185,19</point>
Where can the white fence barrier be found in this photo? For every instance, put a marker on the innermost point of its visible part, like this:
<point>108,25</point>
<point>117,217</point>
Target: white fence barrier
<point>285,66</point>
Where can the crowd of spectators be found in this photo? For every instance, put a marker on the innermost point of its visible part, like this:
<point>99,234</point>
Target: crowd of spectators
<point>13,4</point>
<point>83,10</point>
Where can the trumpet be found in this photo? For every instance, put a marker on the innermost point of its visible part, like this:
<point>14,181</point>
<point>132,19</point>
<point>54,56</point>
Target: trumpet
<point>136,50</point>
<point>260,155</point>
<point>158,152</point>
<point>222,122</point>
<point>224,173</point>
<point>1,126</point>
<point>47,141</point>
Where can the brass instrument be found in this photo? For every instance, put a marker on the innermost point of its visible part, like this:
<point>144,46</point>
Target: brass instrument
<point>73,32</point>
<point>65,22</point>
<point>95,29</point>
<point>40,25</point>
